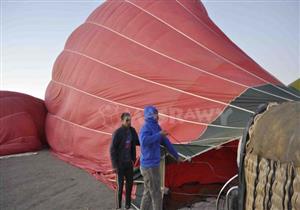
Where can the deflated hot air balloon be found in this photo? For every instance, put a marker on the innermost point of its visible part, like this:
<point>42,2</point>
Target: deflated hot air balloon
<point>130,54</point>
<point>22,120</point>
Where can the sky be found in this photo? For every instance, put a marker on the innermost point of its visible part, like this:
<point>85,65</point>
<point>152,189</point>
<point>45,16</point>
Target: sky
<point>33,33</point>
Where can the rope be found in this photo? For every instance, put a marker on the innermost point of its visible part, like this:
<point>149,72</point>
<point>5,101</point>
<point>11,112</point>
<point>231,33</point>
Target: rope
<point>208,145</point>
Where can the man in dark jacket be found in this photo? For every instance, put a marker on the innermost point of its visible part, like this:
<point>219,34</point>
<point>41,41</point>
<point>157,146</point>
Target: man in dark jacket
<point>123,156</point>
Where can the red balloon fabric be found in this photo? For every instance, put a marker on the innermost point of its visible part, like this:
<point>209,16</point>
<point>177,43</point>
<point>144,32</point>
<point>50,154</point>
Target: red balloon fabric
<point>130,54</point>
<point>22,121</point>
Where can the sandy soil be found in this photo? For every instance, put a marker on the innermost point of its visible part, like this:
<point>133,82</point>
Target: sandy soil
<point>44,182</point>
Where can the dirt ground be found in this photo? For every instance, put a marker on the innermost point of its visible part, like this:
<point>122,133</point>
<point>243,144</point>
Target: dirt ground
<point>44,182</point>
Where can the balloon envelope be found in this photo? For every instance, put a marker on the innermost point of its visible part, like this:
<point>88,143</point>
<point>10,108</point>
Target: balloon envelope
<point>22,119</point>
<point>130,54</point>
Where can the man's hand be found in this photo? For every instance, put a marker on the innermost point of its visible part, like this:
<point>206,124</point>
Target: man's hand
<point>181,159</point>
<point>164,132</point>
<point>115,170</point>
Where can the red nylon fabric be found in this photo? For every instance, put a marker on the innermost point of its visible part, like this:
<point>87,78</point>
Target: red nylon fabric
<point>215,166</point>
<point>22,120</point>
<point>129,54</point>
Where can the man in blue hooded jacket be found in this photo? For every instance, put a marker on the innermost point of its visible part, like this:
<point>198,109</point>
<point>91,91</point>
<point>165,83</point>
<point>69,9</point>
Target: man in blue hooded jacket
<point>151,137</point>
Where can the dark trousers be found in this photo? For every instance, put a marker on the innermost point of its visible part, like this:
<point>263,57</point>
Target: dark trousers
<point>124,171</point>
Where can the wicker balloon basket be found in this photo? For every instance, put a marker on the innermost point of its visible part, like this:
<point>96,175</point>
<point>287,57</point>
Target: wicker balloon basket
<point>272,160</point>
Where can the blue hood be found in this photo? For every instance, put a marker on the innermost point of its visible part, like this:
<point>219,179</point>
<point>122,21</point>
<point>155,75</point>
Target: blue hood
<point>151,139</point>
<point>149,111</point>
